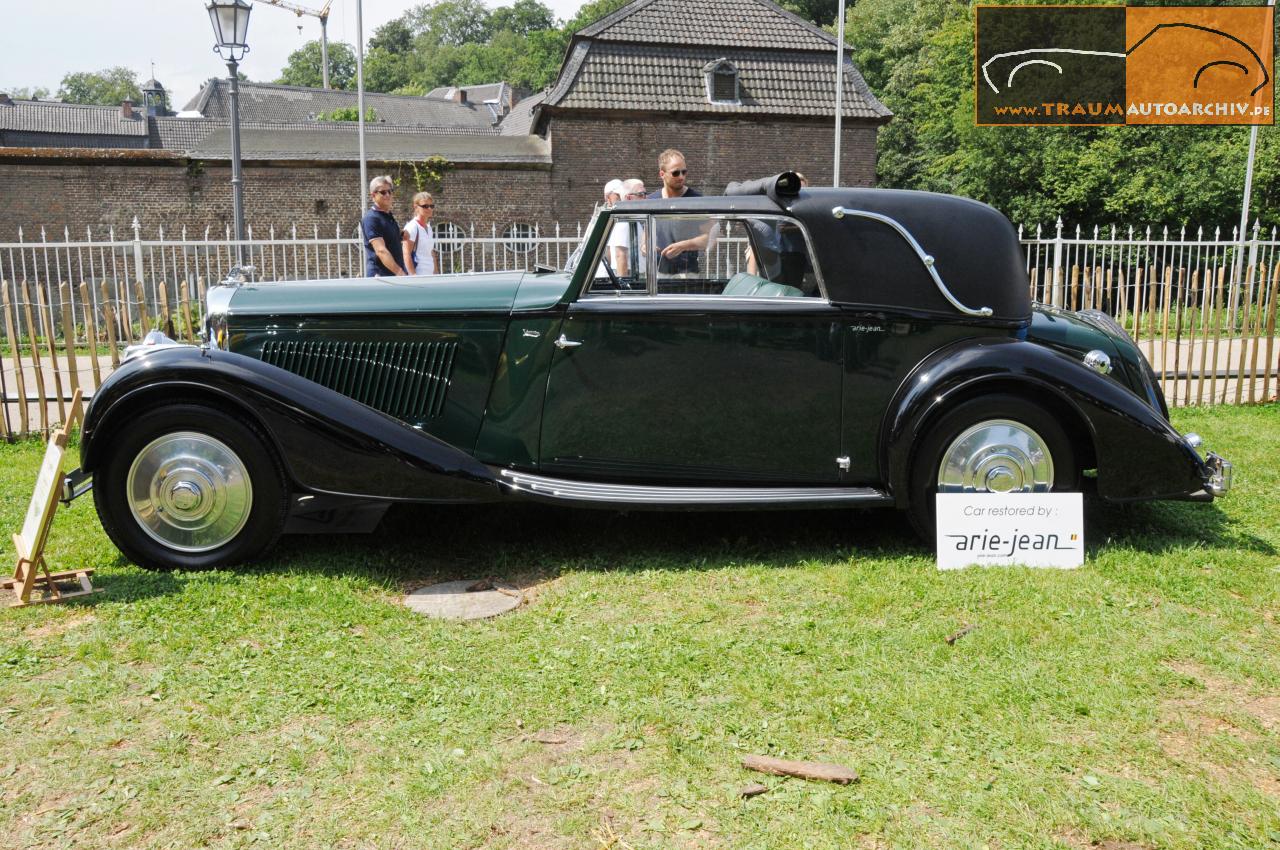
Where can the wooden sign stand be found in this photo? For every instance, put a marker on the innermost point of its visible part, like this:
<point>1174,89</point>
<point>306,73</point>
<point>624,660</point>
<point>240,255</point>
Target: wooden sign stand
<point>32,572</point>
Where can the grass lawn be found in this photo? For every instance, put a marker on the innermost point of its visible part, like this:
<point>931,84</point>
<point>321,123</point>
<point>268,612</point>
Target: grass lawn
<point>1134,703</point>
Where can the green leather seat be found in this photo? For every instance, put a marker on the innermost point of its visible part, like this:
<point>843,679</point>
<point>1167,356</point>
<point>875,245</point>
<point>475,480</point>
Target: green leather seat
<point>743,285</point>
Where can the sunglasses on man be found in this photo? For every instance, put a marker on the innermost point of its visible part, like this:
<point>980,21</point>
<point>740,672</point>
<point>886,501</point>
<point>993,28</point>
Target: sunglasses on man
<point>679,172</point>
<point>384,191</point>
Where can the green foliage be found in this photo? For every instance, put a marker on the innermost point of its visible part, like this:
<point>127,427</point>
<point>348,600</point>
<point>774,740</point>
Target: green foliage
<point>304,69</point>
<point>347,113</point>
<point>107,87</point>
<point>918,58</point>
<point>296,704</point>
<point>426,176</point>
<point>27,93</point>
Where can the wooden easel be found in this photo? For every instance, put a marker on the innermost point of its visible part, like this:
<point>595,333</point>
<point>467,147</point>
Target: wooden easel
<point>32,571</point>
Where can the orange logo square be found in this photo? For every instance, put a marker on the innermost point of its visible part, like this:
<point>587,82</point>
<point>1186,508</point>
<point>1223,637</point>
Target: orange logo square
<point>1200,65</point>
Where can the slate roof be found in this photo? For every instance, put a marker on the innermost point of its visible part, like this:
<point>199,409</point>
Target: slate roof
<point>475,94</point>
<point>620,76</point>
<point>339,142</point>
<point>730,23</point>
<point>522,117</point>
<point>270,103</point>
<point>46,116</point>
<point>651,55</point>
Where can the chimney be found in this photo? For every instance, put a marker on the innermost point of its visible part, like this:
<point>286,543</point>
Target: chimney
<point>461,96</point>
<point>4,99</point>
<point>126,109</point>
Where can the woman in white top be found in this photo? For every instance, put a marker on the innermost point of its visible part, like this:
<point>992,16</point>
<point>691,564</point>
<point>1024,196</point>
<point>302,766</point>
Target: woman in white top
<point>420,255</point>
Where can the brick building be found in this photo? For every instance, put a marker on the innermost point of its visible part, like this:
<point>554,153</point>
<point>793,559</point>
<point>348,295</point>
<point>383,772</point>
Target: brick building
<point>743,87</point>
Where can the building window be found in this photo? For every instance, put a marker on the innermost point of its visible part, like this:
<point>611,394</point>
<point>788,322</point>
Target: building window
<point>722,82</point>
<point>449,237</point>
<point>520,238</point>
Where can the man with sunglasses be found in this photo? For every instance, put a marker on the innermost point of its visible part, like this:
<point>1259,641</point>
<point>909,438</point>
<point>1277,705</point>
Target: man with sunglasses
<point>679,242</point>
<point>382,253</point>
<point>420,254</point>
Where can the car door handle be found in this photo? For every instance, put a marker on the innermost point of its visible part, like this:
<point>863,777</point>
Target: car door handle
<point>565,342</point>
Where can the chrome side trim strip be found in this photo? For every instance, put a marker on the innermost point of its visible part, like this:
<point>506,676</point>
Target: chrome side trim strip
<point>926,259</point>
<point>639,494</point>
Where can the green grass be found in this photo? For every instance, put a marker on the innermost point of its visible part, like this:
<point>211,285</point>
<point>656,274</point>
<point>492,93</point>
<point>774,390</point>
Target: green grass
<point>1134,703</point>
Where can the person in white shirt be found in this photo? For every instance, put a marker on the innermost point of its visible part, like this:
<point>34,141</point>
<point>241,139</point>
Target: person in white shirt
<point>612,194</point>
<point>420,254</point>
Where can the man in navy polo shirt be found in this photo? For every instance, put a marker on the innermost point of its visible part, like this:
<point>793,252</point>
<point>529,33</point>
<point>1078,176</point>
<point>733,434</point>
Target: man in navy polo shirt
<point>382,253</point>
<point>678,242</point>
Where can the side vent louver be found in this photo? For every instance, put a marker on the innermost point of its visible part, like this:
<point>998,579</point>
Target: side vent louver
<point>408,380</point>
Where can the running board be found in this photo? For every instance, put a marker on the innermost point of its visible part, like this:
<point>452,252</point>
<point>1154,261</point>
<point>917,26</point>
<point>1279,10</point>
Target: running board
<point>588,493</point>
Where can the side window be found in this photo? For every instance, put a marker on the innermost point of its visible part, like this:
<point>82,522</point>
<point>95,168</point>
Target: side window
<point>778,254</point>
<point>622,268</point>
<point>688,254</point>
<point>737,257</point>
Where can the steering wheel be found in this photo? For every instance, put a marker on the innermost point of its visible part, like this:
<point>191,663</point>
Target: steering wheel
<point>613,276</point>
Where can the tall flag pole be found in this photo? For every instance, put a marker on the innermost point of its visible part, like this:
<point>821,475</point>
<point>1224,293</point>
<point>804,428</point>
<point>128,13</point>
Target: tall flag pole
<point>835,174</point>
<point>364,167</point>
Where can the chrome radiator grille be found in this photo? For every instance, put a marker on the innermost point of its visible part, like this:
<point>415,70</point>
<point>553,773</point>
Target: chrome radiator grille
<point>408,380</point>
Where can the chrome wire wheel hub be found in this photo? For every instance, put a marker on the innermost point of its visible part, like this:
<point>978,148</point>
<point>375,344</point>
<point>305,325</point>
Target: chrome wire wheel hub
<point>996,456</point>
<point>189,491</point>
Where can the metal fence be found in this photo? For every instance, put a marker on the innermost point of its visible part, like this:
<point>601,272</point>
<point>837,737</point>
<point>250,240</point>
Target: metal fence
<point>1203,308</point>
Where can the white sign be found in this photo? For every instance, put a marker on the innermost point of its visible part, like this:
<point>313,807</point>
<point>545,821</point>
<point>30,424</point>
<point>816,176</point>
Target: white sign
<point>999,529</point>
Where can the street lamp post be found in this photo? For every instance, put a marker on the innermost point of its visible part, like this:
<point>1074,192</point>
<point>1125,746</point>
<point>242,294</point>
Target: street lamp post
<point>230,20</point>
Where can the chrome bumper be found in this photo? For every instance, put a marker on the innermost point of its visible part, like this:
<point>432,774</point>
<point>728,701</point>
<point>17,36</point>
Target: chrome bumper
<point>1219,480</point>
<point>74,485</point>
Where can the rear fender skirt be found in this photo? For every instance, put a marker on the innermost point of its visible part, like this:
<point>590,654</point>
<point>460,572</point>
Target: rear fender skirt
<point>328,442</point>
<point>1139,454</point>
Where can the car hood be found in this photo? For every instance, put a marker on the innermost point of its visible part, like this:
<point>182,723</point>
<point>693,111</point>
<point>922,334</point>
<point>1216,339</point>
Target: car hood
<point>489,292</point>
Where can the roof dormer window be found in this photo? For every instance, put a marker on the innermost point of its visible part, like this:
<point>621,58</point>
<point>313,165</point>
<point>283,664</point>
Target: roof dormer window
<point>722,82</point>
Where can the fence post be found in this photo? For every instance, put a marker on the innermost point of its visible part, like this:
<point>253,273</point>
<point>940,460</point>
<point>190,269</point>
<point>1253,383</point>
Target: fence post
<point>137,250</point>
<point>17,358</point>
<point>46,319</point>
<point>1055,298</point>
<point>109,319</point>
<point>69,336</point>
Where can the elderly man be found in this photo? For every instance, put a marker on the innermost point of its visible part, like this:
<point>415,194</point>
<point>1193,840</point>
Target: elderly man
<point>383,256</point>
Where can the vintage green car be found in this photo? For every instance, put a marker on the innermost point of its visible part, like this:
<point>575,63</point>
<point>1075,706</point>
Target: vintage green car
<point>770,348</point>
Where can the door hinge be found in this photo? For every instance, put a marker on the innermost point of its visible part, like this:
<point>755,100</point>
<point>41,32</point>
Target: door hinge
<point>843,463</point>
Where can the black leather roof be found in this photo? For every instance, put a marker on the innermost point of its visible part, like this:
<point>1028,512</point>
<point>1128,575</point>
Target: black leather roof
<point>865,262</point>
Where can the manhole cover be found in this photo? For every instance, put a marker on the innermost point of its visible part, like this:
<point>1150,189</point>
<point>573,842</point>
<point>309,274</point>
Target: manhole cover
<point>451,601</point>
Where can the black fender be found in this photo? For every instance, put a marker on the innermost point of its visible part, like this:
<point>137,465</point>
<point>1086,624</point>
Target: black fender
<point>327,442</point>
<point>1138,454</point>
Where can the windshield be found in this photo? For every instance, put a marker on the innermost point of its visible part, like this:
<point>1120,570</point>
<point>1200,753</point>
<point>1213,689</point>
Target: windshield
<point>576,256</point>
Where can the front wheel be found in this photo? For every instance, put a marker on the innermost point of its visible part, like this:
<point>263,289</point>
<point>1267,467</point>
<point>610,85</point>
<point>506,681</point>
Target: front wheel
<point>992,444</point>
<point>190,487</point>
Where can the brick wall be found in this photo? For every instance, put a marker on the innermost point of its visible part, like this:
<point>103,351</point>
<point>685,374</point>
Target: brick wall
<point>174,192</point>
<point>103,190</point>
<point>590,150</point>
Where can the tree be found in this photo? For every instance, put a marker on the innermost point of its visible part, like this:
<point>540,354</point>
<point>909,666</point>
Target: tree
<point>25,93</point>
<point>303,67</point>
<point>524,17</point>
<point>918,58</point>
<point>107,87</point>
<point>821,12</point>
<point>453,22</point>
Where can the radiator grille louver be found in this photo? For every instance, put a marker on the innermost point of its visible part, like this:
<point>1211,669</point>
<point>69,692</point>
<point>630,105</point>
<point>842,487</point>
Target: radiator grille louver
<point>408,380</point>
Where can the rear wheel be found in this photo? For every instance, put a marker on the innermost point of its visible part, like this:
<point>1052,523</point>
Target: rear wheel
<point>992,444</point>
<point>190,487</point>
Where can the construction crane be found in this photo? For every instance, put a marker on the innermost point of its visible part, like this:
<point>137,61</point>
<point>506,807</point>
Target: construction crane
<point>323,15</point>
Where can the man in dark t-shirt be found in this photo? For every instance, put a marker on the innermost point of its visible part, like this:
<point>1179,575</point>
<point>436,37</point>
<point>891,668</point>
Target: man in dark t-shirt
<point>678,241</point>
<point>383,256</point>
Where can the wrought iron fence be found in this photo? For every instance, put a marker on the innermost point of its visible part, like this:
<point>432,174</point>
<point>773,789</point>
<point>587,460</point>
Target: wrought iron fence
<point>1202,308</point>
